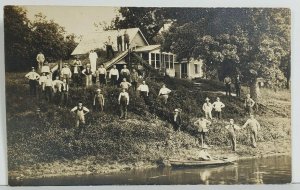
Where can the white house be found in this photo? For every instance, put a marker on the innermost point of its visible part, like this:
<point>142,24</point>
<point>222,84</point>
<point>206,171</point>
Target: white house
<point>189,69</point>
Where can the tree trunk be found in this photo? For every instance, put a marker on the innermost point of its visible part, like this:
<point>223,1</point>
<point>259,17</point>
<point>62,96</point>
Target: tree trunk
<point>255,91</point>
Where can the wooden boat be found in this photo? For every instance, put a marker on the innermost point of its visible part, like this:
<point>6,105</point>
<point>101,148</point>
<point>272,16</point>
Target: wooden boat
<point>202,163</point>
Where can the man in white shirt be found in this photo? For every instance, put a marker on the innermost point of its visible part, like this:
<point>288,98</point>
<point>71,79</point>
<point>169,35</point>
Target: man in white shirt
<point>125,73</point>
<point>48,88</point>
<point>66,73</point>
<point>40,58</point>
<point>144,91</point>
<point>217,106</point>
<point>254,128</point>
<point>102,75</point>
<point>202,127</point>
<point>232,128</point>
<point>64,92</point>
<point>33,80</point>
<point>76,71</point>
<point>207,108</point>
<point>93,60</point>
<point>123,102</point>
<point>164,93</point>
<point>227,83</point>
<point>114,75</point>
<point>124,84</point>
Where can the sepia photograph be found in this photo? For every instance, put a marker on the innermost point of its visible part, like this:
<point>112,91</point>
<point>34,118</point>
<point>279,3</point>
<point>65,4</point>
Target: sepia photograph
<point>100,95</point>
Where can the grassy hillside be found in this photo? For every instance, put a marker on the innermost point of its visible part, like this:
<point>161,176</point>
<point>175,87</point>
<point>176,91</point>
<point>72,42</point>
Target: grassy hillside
<point>36,139</point>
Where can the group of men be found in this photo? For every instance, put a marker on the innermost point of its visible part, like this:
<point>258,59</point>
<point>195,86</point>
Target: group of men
<point>237,85</point>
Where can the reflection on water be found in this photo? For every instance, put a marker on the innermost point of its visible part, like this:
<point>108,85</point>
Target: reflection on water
<point>253,171</point>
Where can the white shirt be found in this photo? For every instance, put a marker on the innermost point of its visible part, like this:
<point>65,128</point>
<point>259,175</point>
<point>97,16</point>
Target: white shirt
<point>125,71</point>
<point>66,71</point>
<point>42,79</point>
<point>143,88</point>
<point>32,75</point>
<point>75,69</point>
<point>164,91</point>
<point>49,82</point>
<point>218,106</point>
<point>114,72</point>
<point>102,71</point>
<point>207,107</point>
<point>202,124</point>
<point>93,56</point>
<point>126,96</point>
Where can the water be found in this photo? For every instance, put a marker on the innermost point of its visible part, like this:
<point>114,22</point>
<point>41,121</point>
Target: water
<point>270,170</point>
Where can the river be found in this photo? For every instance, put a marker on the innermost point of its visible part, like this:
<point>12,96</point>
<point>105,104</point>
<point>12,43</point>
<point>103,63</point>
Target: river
<point>269,170</point>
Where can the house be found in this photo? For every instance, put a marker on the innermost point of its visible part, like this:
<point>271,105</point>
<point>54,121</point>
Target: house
<point>190,69</point>
<point>149,54</point>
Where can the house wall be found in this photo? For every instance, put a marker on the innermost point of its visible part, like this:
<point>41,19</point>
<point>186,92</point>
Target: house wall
<point>137,41</point>
<point>177,70</point>
<point>192,73</point>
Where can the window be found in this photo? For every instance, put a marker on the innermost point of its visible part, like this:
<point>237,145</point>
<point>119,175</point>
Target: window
<point>196,69</point>
<point>167,61</point>
<point>157,60</point>
<point>152,60</point>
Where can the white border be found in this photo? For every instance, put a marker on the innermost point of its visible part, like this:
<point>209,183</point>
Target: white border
<point>292,4</point>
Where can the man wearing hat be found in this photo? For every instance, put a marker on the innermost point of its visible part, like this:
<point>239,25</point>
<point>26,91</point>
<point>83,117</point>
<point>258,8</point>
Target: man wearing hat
<point>88,75</point>
<point>66,73</point>
<point>33,80</point>
<point>98,100</point>
<point>144,91</point>
<point>177,119</point>
<point>202,127</point>
<point>114,75</point>
<point>218,105</point>
<point>207,108</point>
<point>80,111</point>
<point>232,128</point>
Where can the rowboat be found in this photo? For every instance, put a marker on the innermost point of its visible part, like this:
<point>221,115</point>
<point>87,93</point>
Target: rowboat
<point>202,163</point>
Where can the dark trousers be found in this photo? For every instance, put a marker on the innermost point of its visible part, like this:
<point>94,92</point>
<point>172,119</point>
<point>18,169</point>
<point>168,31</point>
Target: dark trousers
<point>134,85</point>
<point>249,110</point>
<point>98,105</point>
<point>238,91</point>
<point>32,87</point>
<point>119,43</point>
<point>126,45</point>
<point>123,108</point>
<point>102,79</point>
<point>76,79</point>
<point>228,89</point>
<point>64,98</point>
<point>109,50</point>
<point>48,93</point>
<point>218,115</point>
<point>94,79</point>
<point>144,96</point>
<point>114,81</point>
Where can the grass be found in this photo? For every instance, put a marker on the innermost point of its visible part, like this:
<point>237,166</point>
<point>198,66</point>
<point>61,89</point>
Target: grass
<point>36,139</point>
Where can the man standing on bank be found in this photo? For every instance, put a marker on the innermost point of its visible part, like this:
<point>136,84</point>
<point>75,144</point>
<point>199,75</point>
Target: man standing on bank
<point>207,108</point>
<point>237,85</point>
<point>202,126</point>
<point>109,48</point>
<point>144,91</point>
<point>99,100</point>
<point>218,105</point>
<point>125,73</point>
<point>126,40</point>
<point>134,79</point>
<point>123,102</point>
<point>124,84</point>
<point>114,75</point>
<point>164,93</point>
<point>177,121</point>
<point>119,41</point>
<point>232,128</point>
<point>102,75</point>
<point>254,128</point>
<point>33,81</point>
<point>66,73</point>
<point>249,103</point>
<point>80,112</point>
<point>227,83</point>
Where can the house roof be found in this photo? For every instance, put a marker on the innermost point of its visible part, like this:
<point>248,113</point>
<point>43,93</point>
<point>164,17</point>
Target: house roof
<point>97,40</point>
<point>147,48</point>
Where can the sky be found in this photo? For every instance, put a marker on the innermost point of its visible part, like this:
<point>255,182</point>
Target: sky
<point>77,20</point>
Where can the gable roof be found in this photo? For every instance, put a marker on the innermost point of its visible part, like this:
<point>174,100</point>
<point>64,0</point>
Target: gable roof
<point>97,40</point>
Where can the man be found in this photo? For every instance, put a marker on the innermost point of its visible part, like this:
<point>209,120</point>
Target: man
<point>125,73</point>
<point>66,73</point>
<point>126,40</point>
<point>93,60</point>
<point>238,86</point>
<point>42,84</point>
<point>134,79</point>
<point>49,88</point>
<point>124,84</point>
<point>144,91</point>
<point>64,92</point>
<point>177,121</point>
<point>33,80</point>
<point>123,102</point>
<point>164,93</point>
<point>114,75</point>
<point>202,127</point>
<point>102,75</point>
<point>217,106</point>
<point>119,40</point>
<point>45,68</point>
<point>227,82</point>
<point>57,86</point>
<point>109,48</point>
<point>248,104</point>
<point>76,71</point>
<point>80,111</point>
<point>207,108</point>
<point>254,128</point>
<point>232,128</point>
<point>40,58</point>
<point>98,100</point>
<point>88,75</point>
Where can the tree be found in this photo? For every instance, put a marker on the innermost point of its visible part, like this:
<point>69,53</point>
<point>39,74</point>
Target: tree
<point>17,38</point>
